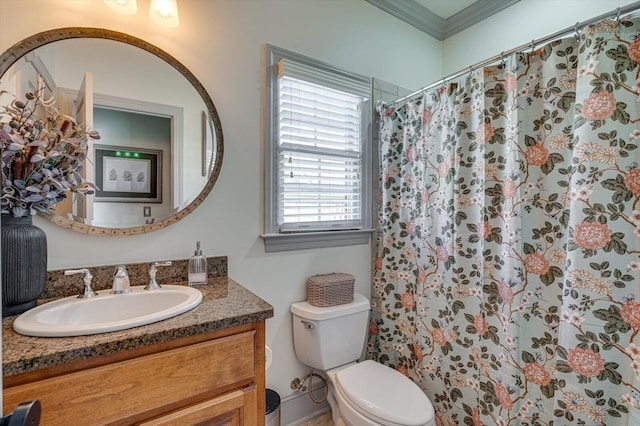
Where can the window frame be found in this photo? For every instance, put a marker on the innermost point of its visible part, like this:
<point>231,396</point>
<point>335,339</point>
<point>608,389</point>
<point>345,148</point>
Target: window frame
<point>274,239</point>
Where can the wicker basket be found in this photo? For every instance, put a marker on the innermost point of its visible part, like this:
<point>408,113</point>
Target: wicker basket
<point>330,289</point>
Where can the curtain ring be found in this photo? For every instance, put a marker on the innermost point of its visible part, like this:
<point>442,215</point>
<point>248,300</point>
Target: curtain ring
<point>577,30</point>
<point>618,14</point>
<point>533,45</point>
<point>502,59</point>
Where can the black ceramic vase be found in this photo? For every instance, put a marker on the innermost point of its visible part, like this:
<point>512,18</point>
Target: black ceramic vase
<point>24,264</point>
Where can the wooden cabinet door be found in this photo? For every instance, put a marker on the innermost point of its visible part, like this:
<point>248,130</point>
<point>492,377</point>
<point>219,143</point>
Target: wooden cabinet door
<point>137,388</point>
<point>237,408</point>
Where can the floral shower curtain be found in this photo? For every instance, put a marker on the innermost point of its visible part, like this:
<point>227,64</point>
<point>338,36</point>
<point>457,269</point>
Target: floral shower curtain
<point>506,282</point>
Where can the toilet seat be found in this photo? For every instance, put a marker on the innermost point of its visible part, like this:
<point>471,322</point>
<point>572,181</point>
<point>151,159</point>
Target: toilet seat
<point>384,395</point>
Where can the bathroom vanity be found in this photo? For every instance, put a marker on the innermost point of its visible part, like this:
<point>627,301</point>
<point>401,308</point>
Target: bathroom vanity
<point>204,366</point>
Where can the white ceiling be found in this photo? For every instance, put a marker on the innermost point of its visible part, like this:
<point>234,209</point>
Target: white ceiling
<point>442,18</point>
<point>446,8</point>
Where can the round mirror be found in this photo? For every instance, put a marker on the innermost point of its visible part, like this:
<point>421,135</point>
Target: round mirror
<point>160,147</point>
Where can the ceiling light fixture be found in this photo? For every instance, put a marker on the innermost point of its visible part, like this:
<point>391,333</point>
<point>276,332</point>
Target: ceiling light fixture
<point>164,12</point>
<point>128,7</point>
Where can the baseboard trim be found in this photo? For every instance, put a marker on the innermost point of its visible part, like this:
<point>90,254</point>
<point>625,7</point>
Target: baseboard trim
<point>310,417</point>
<point>298,408</point>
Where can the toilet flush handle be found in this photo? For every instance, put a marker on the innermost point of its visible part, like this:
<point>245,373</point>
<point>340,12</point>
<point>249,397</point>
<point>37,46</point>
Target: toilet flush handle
<point>307,324</point>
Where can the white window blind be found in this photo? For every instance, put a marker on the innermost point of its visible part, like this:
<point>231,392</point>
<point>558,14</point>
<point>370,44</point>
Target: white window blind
<point>320,149</point>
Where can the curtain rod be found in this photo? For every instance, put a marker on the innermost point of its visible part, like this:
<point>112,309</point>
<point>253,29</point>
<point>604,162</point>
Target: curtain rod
<point>576,28</point>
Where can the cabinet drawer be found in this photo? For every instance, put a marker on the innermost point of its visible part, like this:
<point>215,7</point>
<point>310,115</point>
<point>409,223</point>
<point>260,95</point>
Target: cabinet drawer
<point>235,408</point>
<point>146,384</point>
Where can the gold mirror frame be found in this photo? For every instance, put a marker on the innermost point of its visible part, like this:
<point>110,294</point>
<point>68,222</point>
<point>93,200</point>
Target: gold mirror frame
<point>21,48</point>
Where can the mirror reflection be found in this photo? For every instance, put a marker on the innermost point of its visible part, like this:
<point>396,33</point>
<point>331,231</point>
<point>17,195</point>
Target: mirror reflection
<point>159,150</point>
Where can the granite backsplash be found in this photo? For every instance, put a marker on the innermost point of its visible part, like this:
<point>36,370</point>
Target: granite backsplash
<point>60,285</point>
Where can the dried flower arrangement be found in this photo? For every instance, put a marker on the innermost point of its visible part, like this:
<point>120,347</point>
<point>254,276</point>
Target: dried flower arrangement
<point>43,153</point>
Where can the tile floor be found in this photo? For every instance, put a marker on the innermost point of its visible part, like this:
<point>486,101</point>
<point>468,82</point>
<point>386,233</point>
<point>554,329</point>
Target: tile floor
<point>323,420</point>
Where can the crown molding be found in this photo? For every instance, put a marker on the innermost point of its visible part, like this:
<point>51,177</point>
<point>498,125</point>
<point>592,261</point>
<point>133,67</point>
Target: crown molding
<point>413,14</point>
<point>428,22</point>
<point>473,14</point>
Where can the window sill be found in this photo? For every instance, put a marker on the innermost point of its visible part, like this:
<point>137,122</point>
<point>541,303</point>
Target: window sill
<point>311,240</point>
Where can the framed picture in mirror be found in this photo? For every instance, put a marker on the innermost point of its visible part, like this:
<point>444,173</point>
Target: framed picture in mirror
<point>128,175</point>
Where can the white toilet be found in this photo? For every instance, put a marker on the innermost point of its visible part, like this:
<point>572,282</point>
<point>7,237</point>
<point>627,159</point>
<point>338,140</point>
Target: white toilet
<point>360,394</point>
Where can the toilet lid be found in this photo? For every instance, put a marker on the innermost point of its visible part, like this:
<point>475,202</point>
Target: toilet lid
<point>385,393</point>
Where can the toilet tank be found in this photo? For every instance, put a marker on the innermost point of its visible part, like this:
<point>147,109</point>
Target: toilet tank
<point>327,337</point>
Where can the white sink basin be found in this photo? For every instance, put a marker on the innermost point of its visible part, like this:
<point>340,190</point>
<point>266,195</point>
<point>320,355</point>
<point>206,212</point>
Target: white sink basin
<point>106,312</point>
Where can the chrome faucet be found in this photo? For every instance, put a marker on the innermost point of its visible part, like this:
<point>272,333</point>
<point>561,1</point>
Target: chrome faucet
<point>153,269</point>
<point>121,283</point>
<point>87,291</point>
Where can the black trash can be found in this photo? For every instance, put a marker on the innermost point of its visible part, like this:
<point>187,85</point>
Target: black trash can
<point>273,408</point>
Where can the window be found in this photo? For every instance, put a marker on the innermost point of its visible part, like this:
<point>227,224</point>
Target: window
<point>317,154</point>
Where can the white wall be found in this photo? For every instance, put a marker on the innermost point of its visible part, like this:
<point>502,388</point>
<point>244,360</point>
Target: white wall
<point>517,25</point>
<point>221,42</point>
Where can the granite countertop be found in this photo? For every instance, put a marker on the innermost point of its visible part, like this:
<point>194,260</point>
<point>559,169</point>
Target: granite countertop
<point>225,304</point>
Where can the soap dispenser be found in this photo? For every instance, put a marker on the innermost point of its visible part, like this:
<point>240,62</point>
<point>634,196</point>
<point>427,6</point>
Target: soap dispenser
<point>197,267</point>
